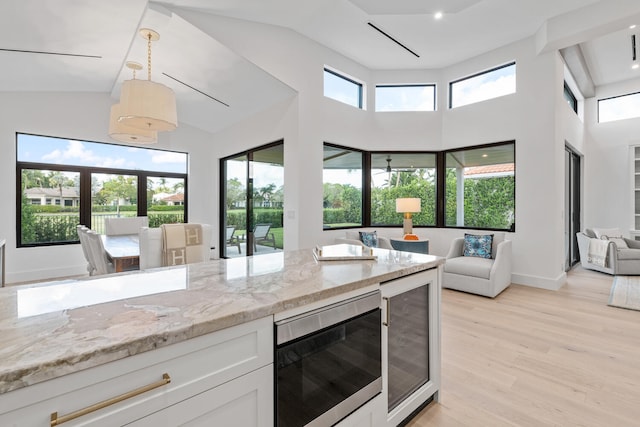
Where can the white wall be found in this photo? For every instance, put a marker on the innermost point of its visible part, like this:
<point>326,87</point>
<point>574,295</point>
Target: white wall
<point>608,202</point>
<point>83,116</point>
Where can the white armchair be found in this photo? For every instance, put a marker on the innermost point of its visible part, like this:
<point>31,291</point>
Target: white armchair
<point>482,276</point>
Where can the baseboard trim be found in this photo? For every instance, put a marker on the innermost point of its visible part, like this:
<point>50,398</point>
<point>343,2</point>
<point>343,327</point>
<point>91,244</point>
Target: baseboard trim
<point>539,282</point>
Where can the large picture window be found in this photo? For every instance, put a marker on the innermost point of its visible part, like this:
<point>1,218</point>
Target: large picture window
<point>63,182</point>
<point>342,187</point>
<point>401,174</point>
<point>480,187</point>
<point>490,84</point>
<point>472,187</point>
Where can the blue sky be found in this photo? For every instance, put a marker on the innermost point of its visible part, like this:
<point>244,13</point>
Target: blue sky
<point>59,151</point>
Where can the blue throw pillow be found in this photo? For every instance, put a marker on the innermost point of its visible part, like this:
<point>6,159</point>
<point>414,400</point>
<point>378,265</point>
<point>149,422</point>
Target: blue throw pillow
<point>369,238</point>
<point>479,246</point>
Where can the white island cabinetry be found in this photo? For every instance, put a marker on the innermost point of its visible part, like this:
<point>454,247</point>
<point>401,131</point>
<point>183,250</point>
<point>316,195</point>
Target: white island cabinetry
<point>224,375</point>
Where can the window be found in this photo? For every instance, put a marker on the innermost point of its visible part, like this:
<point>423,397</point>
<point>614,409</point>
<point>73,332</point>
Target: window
<point>619,108</point>
<point>64,182</point>
<point>570,98</point>
<point>480,187</point>
<point>482,86</point>
<point>406,98</point>
<point>342,187</point>
<point>342,89</point>
<point>401,174</point>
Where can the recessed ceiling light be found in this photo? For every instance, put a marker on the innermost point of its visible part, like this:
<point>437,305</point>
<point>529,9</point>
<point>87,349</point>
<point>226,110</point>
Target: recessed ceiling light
<point>631,27</point>
<point>438,15</point>
<point>485,155</point>
<point>635,66</point>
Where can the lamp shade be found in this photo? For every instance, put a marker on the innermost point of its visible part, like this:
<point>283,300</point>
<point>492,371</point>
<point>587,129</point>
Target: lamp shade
<point>123,133</point>
<point>148,105</point>
<point>405,205</point>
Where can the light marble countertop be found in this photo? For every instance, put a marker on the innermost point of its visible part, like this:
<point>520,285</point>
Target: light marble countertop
<point>52,329</point>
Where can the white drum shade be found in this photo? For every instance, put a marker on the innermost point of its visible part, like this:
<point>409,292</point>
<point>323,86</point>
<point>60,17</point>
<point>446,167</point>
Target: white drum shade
<point>121,132</point>
<point>148,105</point>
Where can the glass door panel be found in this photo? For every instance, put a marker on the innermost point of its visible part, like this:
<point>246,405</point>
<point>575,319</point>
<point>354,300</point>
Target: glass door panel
<point>266,184</point>
<point>234,171</point>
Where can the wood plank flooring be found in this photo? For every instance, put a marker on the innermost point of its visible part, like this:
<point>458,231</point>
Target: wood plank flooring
<point>539,358</point>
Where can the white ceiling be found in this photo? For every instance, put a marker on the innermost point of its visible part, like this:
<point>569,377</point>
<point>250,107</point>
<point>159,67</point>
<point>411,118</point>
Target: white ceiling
<point>98,36</point>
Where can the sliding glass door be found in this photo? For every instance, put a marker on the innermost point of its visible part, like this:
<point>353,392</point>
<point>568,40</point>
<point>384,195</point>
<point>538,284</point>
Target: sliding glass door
<point>252,201</point>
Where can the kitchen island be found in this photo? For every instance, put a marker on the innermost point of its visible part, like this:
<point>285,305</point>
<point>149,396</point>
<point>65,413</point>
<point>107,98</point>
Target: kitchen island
<point>116,325</point>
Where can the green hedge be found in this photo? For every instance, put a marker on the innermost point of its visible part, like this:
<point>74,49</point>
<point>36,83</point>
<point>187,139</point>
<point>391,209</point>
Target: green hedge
<point>237,217</point>
<point>51,228</point>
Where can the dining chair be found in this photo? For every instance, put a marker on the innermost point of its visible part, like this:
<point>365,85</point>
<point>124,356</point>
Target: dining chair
<point>82,229</point>
<point>97,254</point>
<point>151,246</point>
<point>125,225</point>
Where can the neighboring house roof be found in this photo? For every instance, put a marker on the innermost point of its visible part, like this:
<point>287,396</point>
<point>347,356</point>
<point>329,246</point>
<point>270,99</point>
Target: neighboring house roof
<point>179,197</point>
<point>503,169</point>
<point>67,192</point>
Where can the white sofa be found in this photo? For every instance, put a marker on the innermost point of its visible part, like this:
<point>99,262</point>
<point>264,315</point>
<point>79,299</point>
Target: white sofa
<point>481,276</point>
<point>352,237</point>
<point>620,260</point>
<point>151,246</point>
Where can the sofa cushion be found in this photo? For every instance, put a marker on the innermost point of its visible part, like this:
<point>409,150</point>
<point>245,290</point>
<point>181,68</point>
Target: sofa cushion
<point>469,266</point>
<point>369,238</point>
<point>477,245</point>
<point>632,244</point>
<point>589,233</point>
<point>629,254</point>
<point>619,241</point>
<point>609,232</point>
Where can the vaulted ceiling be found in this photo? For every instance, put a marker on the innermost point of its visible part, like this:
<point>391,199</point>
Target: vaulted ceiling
<point>82,45</point>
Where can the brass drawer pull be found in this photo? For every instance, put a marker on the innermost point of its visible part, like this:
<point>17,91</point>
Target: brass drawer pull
<point>56,421</point>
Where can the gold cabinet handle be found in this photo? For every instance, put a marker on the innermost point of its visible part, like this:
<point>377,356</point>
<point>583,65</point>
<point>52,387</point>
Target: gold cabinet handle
<point>56,421</point>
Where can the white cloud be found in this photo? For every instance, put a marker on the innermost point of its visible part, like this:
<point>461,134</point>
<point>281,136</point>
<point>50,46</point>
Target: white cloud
<point>482,88</point>
<point>76,153</point>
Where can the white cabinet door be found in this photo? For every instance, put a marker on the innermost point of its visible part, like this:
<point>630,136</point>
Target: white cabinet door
<point>246,401</point>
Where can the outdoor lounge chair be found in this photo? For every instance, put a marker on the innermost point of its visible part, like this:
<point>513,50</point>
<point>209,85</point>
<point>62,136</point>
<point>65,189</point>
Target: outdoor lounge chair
<point>261,236</point>
<point>232,239</point>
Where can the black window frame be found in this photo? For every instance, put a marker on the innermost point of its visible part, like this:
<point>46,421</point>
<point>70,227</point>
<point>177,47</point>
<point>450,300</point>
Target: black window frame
<point>614,97</point>
<point>85,186</point>
<point>451,83</point>
<point>350,80</point>
<point>570,98</point>
<point>440,186</point>
<point>435,96</point>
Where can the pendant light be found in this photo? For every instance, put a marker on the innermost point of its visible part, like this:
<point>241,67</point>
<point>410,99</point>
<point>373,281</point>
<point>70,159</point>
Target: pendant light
<point>124,133</point>
<point>145,104</point>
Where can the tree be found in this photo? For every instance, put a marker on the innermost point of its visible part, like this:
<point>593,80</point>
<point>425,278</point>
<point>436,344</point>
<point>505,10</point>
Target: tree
<point>236,193</point>
<point>119,188</point>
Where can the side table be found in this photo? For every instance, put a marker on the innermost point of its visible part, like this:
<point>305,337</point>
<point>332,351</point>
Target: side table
<point>418,246</point>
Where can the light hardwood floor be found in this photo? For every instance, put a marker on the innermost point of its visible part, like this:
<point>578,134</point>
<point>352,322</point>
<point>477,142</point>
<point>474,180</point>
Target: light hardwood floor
<point>533,357</point>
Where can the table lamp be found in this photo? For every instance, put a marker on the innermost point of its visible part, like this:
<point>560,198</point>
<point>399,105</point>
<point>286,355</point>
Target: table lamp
<point>407,206</point>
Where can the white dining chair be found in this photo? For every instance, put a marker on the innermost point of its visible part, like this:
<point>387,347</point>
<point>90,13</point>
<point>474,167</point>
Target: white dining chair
<point>97,255</point>
<point>84,243</point>
<point>125,225</point>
